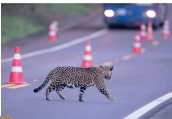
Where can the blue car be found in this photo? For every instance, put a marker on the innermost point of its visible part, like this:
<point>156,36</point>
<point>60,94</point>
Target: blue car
<point>133,14</point>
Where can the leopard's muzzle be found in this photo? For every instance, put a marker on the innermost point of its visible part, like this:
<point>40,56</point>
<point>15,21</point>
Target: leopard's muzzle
<point>107,77</point>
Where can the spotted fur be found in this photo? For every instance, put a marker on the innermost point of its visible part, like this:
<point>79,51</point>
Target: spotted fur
<point>73,77</point>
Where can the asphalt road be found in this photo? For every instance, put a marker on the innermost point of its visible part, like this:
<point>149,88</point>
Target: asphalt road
<point>136,80</point>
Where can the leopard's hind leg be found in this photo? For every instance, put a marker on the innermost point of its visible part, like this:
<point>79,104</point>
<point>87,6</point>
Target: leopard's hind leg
<point>51,88</point>
<point>82,91</point>
<point>59,89</point>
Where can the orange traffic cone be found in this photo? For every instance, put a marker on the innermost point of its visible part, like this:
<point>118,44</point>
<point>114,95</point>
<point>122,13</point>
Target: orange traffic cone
<point>53,31</point>
<point>137,45</point>
<point>143,32</point>
<point>166,30</point>
<point>149,31</point>
<point>87,62</point>
<point>16,76</point>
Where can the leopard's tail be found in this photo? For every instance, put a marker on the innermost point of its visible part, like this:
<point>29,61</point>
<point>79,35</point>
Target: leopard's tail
<point>44,84</point>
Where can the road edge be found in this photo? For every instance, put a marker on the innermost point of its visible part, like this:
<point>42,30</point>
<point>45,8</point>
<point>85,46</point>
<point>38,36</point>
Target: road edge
<point>156,109</point>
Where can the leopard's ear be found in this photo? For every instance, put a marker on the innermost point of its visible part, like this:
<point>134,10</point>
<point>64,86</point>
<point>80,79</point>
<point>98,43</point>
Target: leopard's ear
<point>101,69</point>
<point>111,68</point>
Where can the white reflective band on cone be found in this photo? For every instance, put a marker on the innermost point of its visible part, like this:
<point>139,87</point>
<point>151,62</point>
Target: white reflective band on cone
<point>52,33</point>
<point>137,37</point>
<point>17,56</point>
<point>16,69</point>
<point>88,48</point>
<point>88,57</point>
<point>143,27</point>
<point>55,22</point>
<point>166,31</point>
<point>143,33</point>
<point>166,22</point>
<point>53,26</point>
<point>166,27</point>
<point>137,45</point>
<point>150,29</point>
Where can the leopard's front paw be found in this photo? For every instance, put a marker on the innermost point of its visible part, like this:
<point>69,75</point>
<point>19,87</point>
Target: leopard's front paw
<point>47,98</point>
<point>82,99</point>
<point>111,98</point>
<point>63,97</point>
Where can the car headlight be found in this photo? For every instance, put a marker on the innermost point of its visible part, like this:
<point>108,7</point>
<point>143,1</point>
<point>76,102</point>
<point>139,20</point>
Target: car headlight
<point>151,13</point>
<point>109,13</point>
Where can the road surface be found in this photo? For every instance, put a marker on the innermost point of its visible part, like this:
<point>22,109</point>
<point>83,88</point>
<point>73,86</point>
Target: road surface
<point>137,80</point>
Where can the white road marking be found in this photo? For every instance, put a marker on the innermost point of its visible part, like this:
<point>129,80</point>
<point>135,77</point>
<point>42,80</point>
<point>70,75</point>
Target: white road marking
<point>138,113</point>
<point>60,47</point>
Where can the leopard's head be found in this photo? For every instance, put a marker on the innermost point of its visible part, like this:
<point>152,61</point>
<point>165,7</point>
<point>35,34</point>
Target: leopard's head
<point>107,72</point>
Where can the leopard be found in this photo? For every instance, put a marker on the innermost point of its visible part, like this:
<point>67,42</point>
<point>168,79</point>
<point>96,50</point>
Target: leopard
<point>74,77</point>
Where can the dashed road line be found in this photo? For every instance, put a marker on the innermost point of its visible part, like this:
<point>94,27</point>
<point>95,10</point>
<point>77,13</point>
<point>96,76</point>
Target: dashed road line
<point>138,113</point>
<point>107,63</point>
<point>155,43</point>
<point>96,65</point>
<point>18,86</point>
<point>143,50</point>
<point>35,79</point>
<point>60,47</point>
<point>126,57</point>
<point>7,85</point>
<point>116,60</point>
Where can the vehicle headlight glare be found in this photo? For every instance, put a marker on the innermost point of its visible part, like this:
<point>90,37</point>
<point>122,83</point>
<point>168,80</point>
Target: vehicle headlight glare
<point>151,13</point>
<point>109,13</point>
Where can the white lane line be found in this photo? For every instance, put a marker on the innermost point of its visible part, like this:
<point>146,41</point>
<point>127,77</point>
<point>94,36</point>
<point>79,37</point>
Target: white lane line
<point>138,113</point>
<point>59,47</point>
